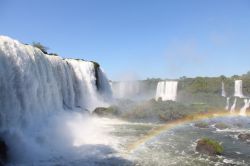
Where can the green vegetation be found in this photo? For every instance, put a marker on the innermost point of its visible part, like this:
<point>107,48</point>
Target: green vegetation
<point>79,59</point>
<point>106,112</point>
<point>202,125</point>
<point>211,85</point>
<point>156,111</point>
<point>204,90</point>
<point>221,126</point>
<point>209,146</point>
<point>53,54</point>
<point>43,48</point>
<point>96,65</point>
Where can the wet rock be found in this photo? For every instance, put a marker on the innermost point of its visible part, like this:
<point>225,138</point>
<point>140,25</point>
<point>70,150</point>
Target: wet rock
<point>244,137</point>
<point>209,147</point>
<point>3,152</point>
<point>238,125</point>
<point>201,125</point>
<point>221,126</point>
<point>103,111</point>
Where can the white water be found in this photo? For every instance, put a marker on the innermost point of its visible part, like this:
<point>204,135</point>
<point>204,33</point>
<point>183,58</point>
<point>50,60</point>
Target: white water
<point>245,107</point>
<point>238,89</point>
<point>228,103</point>
<point>233,106</point>
<point>43,99</point>
<point>126,89</point>
<point>166,90</point>
<point>223,92</point>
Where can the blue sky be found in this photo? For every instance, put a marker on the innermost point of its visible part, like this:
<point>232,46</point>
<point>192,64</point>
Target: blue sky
<point>139,38</point>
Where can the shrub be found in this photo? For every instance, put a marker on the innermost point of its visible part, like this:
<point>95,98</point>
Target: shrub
<point>209,147</point>
<point>43,48</point>
<point>53,54</point>
<point>202,125</point>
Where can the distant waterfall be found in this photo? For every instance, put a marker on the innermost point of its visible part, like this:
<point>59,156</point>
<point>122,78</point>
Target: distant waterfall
<point>166,90</point>
<point>233,106</point>
<point>126,89</point>
<point>228,103</point>
<point>223,92</point>
<point>238,89</point>
<point>245,107</point>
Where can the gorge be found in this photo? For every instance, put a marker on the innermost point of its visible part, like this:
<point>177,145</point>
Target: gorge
<point>47,104</point>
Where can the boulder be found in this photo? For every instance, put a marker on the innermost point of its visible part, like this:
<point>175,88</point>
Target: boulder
<point>244,137</point>
<point>221,126</point>
<point>209,147</point>
<point>3,152</point>
<point>201,125</point>
<point>103,111</point>
<point>238,125</point>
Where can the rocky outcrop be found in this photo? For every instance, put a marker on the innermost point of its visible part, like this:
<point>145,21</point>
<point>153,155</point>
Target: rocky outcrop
<point>201,125</point>
<point>221,126</point>
<point>105,112</point>
<point>209,147</point>
<point>244,137</point>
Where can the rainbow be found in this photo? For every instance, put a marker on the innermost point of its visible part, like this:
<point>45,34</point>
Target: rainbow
<point>191,118</point>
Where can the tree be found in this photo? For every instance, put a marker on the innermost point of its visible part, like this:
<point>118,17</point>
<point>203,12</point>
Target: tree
<point>43,48</point>
<point>235,77</point>
<point>223,78</point>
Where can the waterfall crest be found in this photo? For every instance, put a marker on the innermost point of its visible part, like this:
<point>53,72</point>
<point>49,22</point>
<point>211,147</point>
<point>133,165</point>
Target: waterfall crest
<point>166,90</point>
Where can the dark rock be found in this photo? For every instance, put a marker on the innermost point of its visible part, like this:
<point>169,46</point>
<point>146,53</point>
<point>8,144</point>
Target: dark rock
<point>102,111</point>
<point>238,125</point>
<point>209,147</point>
<point>3,152</point>
<point>201,125</point>
<point>244,137</point>
<point>221,126</point>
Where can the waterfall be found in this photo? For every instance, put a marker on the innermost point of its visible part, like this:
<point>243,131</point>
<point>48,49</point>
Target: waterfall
<point>228,103</point>
<point>166,90</point>
<point>126,89</point>
<point>32,82</point>
<point>223,92</point>
<point>245,107</point>
<point>238,89</point>
<point>39,90</point>
<point>233,106</point>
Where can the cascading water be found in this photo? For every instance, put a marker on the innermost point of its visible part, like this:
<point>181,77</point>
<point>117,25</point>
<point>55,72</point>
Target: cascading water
<point>245,107</point>
<point>233,106</point>
<point>223,92</point>
<point>228,103</point>
<point>238,89</point>
<point>41,95</point>
<point>166,90</point>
